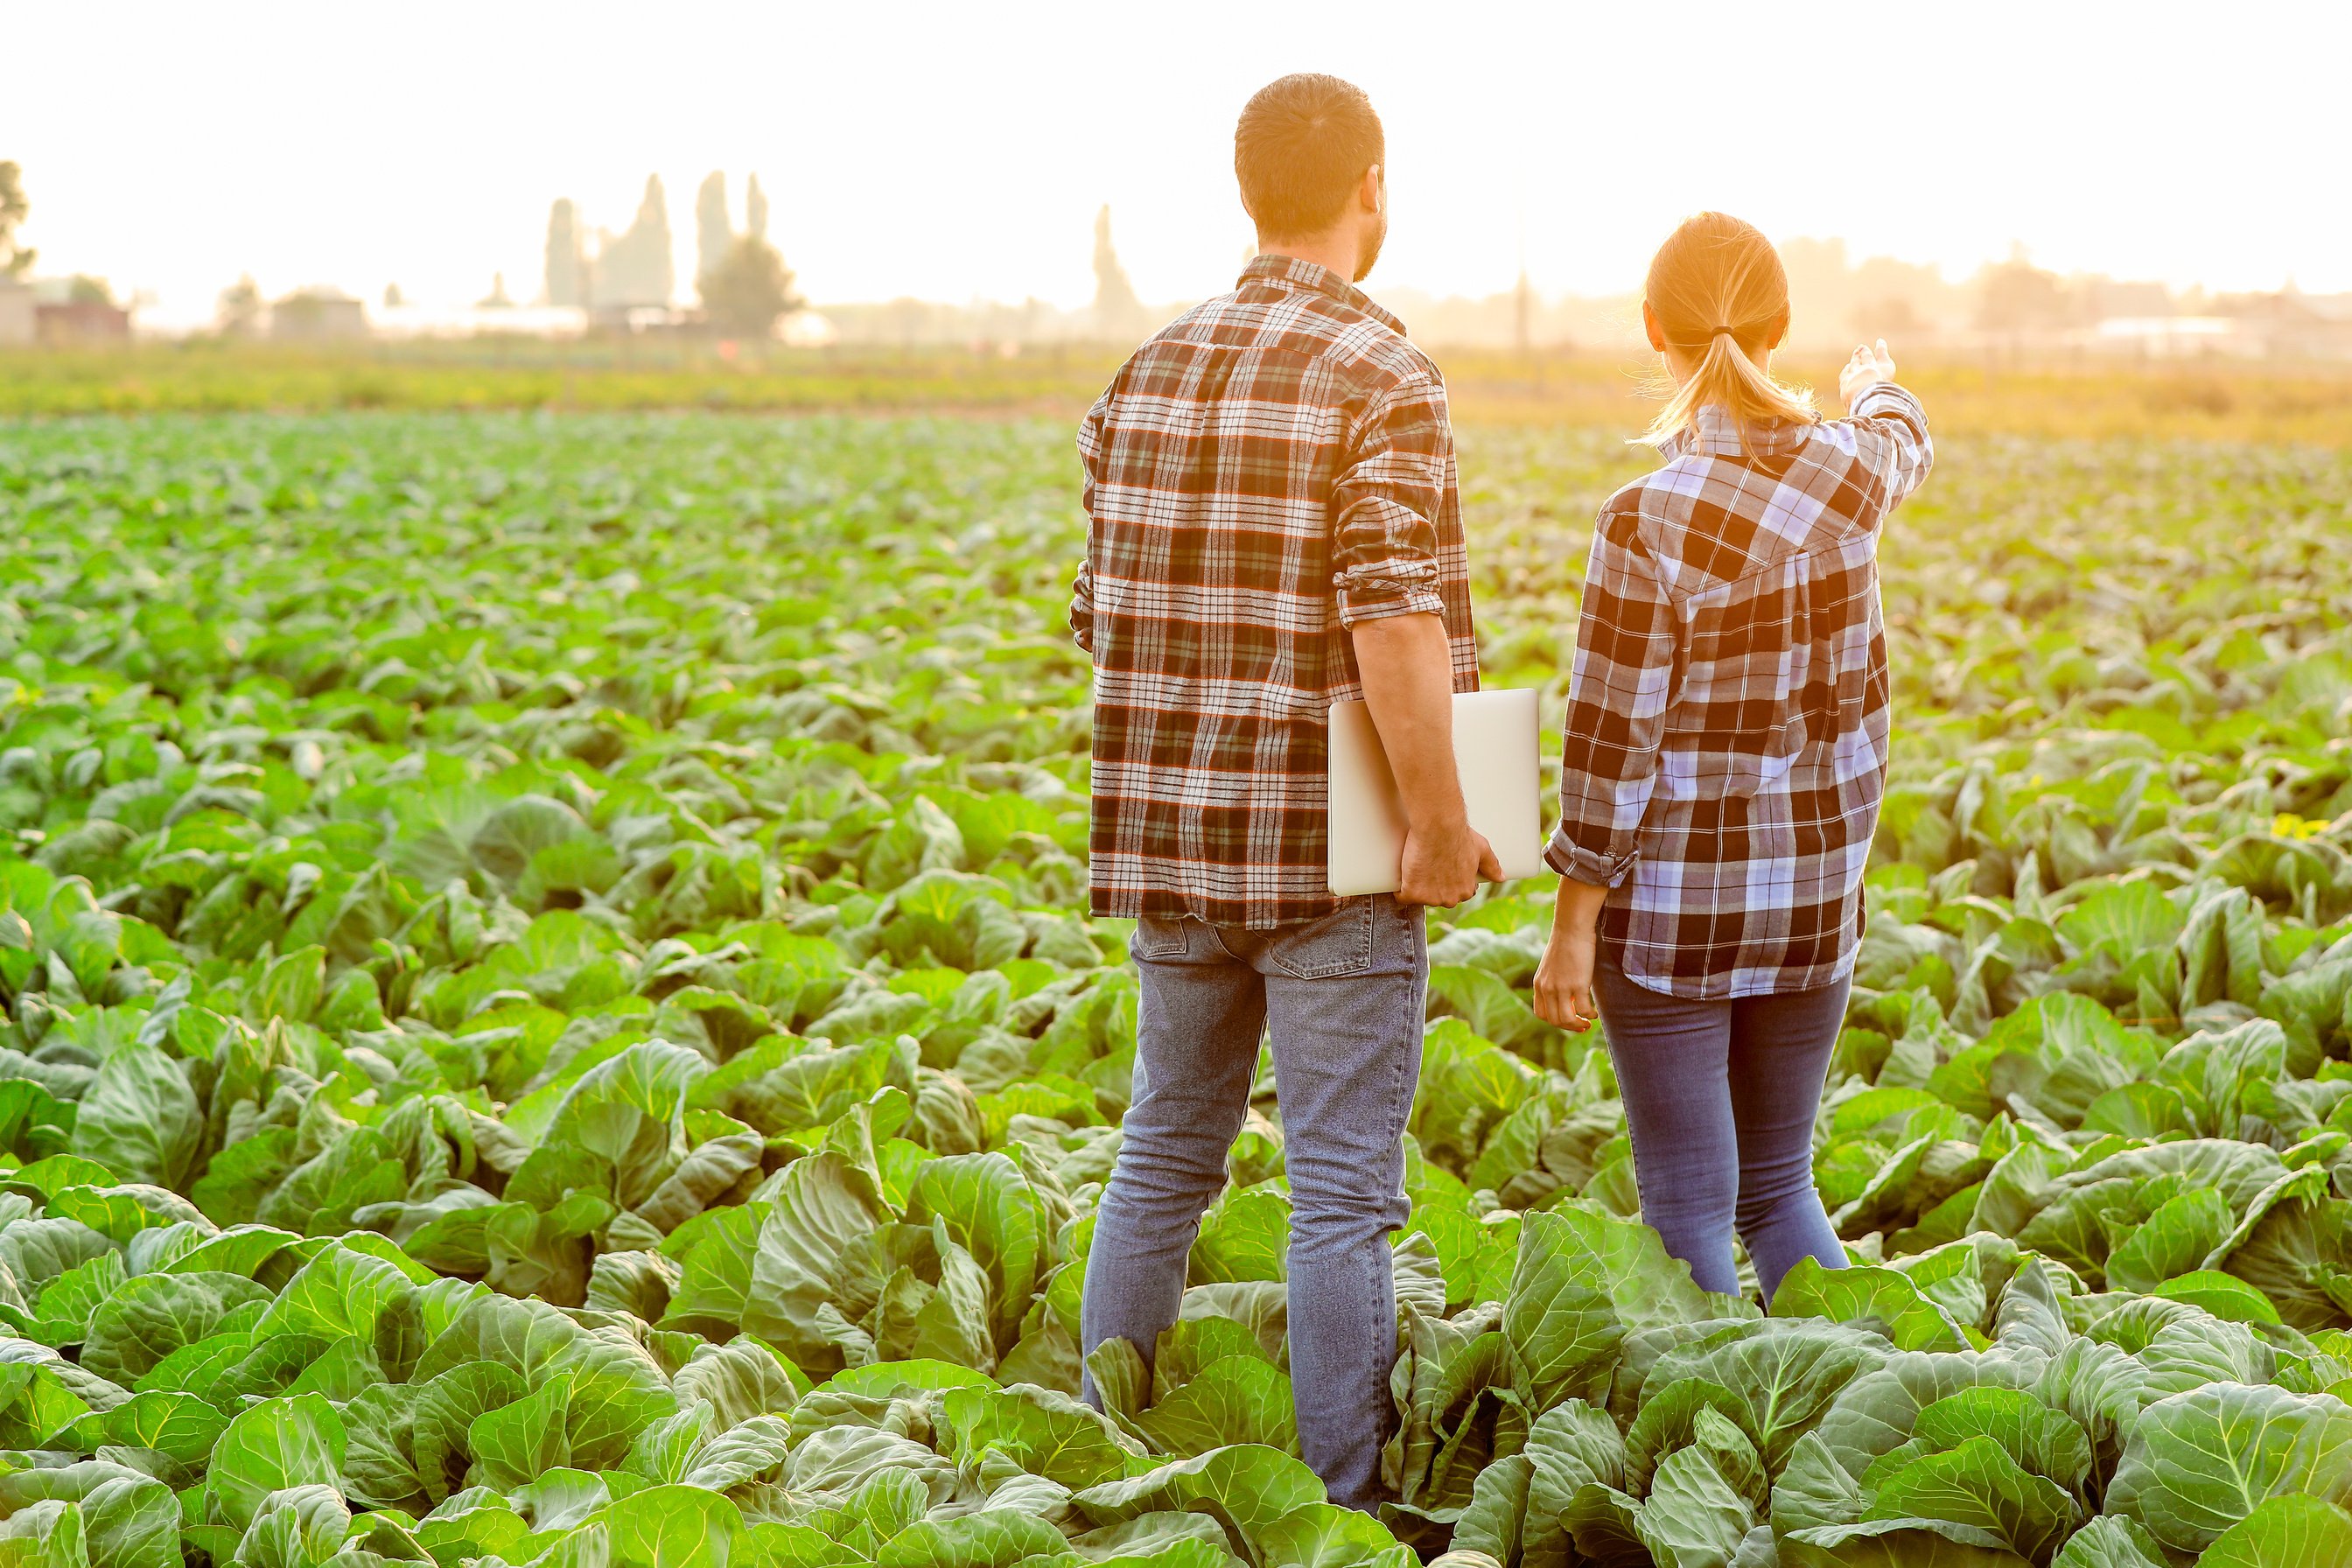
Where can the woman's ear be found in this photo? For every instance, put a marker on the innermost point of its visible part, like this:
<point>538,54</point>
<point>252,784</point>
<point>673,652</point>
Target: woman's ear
<point>1779,331</point>
<point>1650,325</point>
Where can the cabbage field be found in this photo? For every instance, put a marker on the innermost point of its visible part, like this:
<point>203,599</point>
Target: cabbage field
<point>549,1020</point>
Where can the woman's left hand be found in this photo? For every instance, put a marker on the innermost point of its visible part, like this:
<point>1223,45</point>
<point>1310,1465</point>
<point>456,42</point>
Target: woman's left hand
<point>1564,980</point>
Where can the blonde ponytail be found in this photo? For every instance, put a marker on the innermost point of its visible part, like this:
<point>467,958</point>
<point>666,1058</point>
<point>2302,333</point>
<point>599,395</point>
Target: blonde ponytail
<point>1718,290</point>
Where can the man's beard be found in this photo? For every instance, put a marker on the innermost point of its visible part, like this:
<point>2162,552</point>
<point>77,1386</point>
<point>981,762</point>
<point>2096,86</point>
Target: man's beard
<point>1371,250</point>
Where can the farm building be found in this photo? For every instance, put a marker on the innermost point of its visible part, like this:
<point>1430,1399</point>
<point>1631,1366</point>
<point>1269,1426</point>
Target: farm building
<point>17,321</point>
<point>81,321</point>
<point>316,315</point>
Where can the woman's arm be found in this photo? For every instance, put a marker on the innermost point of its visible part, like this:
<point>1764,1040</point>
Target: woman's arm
<point>1564,978</point>
<point>1618,694</point>
<point>1890,427</point>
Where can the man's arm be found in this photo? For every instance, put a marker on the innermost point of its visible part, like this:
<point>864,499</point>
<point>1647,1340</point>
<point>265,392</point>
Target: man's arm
<point>1082,590</point>
<point>1385,575</point>
<point>1409,686</point>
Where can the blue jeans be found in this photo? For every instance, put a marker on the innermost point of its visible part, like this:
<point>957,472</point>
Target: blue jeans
<point>1720,1098</point>
<point>1343,998</point>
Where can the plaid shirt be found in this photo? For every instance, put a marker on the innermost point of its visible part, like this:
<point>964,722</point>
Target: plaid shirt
<point>1726,734</point>
<point>1274,467</point>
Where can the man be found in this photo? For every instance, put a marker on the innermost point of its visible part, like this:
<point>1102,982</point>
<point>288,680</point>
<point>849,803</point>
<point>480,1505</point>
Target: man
<point>1274,526</point>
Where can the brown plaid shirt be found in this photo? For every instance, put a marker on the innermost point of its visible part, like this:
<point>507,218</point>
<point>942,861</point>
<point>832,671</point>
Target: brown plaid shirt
<point>1273,467</point>
<point>1727,736</point>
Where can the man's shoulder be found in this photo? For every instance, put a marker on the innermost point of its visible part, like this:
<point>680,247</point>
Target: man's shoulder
<point>1364,350</point>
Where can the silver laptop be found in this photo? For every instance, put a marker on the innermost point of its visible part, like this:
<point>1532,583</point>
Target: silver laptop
<point>1494,751</point>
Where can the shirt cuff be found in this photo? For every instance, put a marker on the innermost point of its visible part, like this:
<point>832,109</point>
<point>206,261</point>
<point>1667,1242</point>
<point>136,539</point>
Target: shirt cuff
<point>1896,399</point>
<point>1379,601</point>
<point>1573,860</point>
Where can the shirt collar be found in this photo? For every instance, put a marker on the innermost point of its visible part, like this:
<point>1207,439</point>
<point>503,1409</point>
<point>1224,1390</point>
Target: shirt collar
<point>1291,272</point>
<point>1715,434</point>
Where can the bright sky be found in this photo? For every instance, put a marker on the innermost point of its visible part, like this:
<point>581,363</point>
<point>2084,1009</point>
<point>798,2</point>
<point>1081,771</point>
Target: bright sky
<point>954,150</point>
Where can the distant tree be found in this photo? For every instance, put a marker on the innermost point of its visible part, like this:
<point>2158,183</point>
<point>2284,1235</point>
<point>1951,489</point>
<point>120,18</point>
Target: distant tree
<point>636,267</point>
<point>15,259</point>
<point>714,231</point>
<point>392,298</point>
<point>239,312</point>
<point>84,289</point>
<point>1119,314</point>
<point>755,209</point>
<point>567,262</point>
<point>2018,297</point>
<point>497,299</point>
<point>749,289</point>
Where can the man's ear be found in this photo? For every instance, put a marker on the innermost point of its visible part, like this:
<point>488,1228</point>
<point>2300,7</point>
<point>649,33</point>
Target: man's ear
<point>1372,190</point>
<point>1650,325</point>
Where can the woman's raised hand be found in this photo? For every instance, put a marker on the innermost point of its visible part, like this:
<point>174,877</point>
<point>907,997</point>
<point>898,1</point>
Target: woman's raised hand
<point>1867,368</point>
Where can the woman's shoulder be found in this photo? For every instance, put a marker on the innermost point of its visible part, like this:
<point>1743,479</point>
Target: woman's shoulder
<point>1643,511</point>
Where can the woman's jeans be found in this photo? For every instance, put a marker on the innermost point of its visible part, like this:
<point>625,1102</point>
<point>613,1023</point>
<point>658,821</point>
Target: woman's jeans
<point>1720,1098</point>
<point>1343,998</point>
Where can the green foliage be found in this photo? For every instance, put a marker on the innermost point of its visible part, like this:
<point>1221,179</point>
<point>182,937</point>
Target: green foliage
<point>547,1020</point>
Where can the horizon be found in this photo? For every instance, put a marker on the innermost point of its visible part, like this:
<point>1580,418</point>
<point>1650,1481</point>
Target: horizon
<point>374,194</point>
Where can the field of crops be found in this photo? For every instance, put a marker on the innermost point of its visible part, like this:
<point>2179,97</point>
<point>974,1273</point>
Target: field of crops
<point>549,1021</point>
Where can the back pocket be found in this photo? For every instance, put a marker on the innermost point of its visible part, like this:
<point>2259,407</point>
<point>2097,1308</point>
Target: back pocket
<point>1338,944</point>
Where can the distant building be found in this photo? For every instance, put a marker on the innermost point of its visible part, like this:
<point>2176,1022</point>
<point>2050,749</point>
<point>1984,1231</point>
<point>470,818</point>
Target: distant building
<point>2291,324</point>
<point>82,322</point>
<point>317,315</point>
<point>19,324</point>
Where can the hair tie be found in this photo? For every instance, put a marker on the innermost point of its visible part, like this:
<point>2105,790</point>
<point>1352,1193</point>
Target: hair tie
<point>1720,332</point>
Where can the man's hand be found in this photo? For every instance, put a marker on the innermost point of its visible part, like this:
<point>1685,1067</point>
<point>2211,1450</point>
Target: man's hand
<point>1446,867</point>
<point>1564,978</point>
<point>1409,687</point>
<point>1866,369</point>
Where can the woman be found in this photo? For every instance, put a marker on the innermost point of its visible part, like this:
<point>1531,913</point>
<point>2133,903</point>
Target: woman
<point>1726,752</point>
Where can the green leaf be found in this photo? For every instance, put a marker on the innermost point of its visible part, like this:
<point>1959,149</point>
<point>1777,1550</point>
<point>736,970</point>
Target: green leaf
<point>1880,1300</point>
<point>277,1444</point>
<point>1325,1535</point>
<point>1246,1489</point>
<point>998,1538</point>
<point>1976,1483</point>
<point>1046,1433</point>
<point>672,1527</point>
<point>630,1110</point>
<point>2198,1462</point>
<point>180,1425</point>
<point>2110,1541</point>
<point>2046,1441</point>
<point>299,1527</point>
<point>341,1292</point>
<point>2223,1295</point>
<point>1582,1280</point>
<point>155,1314</point>
<point>1693,1516</point>
<point>514,1444</point>
<point>139,1118</point>
<point>2172,1241</point>
<point>1239,1399</point>
<point>2285,1532</point>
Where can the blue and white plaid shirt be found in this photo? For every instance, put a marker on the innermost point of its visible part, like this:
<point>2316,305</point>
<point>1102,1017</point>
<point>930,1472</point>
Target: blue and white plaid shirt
<point>1726,736</point>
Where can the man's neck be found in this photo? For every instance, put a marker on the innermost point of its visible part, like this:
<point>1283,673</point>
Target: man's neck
<point>1338,253</point>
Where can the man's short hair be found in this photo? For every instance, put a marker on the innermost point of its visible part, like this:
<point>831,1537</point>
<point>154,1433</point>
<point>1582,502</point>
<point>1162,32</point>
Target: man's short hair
<point>1303,143</point>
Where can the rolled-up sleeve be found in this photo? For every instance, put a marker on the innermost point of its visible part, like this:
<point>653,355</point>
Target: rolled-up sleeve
<point>1619,693</point>
<point>1385,503</point>
<point>1891,441</point>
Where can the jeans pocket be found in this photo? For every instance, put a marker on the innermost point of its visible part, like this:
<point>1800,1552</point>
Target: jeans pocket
<point>1156,937</point>
<point>1338,944</point>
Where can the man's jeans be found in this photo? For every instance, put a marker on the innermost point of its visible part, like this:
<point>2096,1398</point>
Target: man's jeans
<point>1343,997</point>
<point>1720,1098</point>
